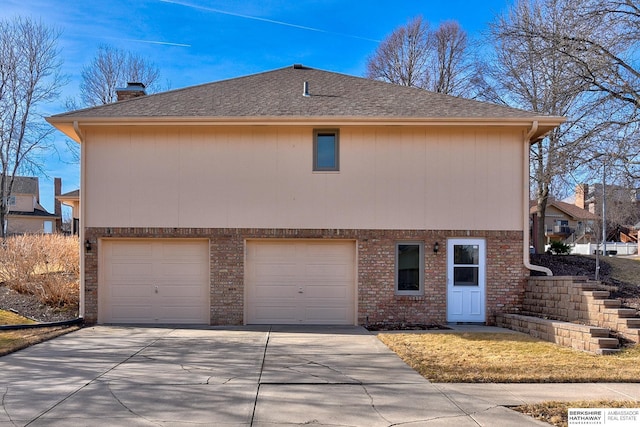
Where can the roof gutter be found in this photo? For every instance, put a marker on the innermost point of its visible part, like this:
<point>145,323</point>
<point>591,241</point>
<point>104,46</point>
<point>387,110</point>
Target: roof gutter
<point>78,131</point>
<point>83,172</point>
<point>525,203</point>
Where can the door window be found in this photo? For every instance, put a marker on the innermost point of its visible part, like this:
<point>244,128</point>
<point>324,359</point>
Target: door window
<point>466,264</point>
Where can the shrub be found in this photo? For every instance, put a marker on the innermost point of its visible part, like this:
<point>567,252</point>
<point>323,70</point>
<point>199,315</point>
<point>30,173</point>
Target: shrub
<point>559,248</point>
<point>47,266</point>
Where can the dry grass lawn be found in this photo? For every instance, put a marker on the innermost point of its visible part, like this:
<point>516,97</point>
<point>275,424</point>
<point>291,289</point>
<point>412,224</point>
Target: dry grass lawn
<point>625,269</point>
<point>10,318</point>
<point>507,358</point>
<point>11,341</point>
<point>555,413</point>
<point>512,358</point>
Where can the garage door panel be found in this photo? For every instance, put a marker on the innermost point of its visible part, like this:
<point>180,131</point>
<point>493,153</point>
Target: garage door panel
<point>273,251</point>
<point>180,290</point>
<point>182,250</point>
<point>121,292</point>
<point>133,313</point>
<point>328,271</point>
<point>300,282</point>
<point>129,249</point>
<point>275,292</point>
<point>328,315</point>
<point>129,270</point>
<point>323,250</point>
<point>327,292</point>
<point>155,281</point>
<point>278,314</point>
<point>276,270</point>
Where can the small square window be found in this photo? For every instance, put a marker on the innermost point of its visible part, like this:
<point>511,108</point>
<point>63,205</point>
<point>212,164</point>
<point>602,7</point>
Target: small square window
<point>325,150</point>
<point>409,268</point>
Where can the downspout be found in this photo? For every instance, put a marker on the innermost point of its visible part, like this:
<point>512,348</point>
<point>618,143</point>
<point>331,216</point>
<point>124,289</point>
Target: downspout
<point>78,131</point>
<point>525,203</point>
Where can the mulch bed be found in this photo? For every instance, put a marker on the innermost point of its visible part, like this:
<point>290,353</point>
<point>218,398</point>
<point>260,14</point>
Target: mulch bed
<point>29,306</point>
<point>576,265</point>
<point>405,327</point>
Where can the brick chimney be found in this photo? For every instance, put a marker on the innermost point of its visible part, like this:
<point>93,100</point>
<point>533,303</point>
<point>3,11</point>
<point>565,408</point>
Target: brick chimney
<point>57,206</point>
<point>133,90</point>
<point>582,192</point>
<point>57,190</point>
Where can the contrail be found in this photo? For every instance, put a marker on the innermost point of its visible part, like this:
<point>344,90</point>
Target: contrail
<point>271,21</point>
<point>149,41</point>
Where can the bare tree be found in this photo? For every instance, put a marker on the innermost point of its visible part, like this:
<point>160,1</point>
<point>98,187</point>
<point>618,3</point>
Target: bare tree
<point>599,42</point>
<point>402,57</point>
<point>450,62</point>
<point>29,76</point>
<point>113,68</point>
<point>606,57</point>
<point>529,73</point>
<point>415,55</point>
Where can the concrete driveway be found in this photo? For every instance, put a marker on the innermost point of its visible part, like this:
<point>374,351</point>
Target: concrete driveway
<point>270,376</point>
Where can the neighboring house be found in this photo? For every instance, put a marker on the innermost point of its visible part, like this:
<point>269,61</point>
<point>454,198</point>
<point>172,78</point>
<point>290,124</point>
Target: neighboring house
<point>26,215</point>
<point>566,223</point>
<point>301,196</point>
<point>622,208</point>
<point>72,199</point>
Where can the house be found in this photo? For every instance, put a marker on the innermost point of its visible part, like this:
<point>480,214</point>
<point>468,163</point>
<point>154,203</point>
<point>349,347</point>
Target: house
<point>565,222</point>
<point>622,207</point>
<point>26,214</point>
<point>72,199</point>
<point>301,196</point>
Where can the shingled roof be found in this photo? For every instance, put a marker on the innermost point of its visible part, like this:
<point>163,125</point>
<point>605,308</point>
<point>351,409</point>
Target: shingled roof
<point>26,185</point>
<point>278,94</point>
<point>573,211</point>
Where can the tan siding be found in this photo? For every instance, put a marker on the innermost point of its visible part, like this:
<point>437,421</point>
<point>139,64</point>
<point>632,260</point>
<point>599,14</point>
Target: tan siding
<point>390,178</point>
<point>24,203</point>
<point>26,225</point>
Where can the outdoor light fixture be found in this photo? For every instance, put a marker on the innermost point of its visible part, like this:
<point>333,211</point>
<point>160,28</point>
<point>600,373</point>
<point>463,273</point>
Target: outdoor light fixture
<point>87,245</point>
<point>436,247</point>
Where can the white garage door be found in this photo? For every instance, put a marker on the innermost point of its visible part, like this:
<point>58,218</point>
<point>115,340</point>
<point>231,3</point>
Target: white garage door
<point>300,282</point>
<point>154,281</point>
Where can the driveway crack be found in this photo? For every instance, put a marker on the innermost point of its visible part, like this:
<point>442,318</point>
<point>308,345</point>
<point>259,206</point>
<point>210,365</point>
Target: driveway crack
<point>4,407</point>
<point>264,357</point>
<point>117,399</point>
<point>79,389</point>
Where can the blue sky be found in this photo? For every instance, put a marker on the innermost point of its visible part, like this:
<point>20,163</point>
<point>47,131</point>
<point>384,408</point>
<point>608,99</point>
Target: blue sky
<point>200,41</point>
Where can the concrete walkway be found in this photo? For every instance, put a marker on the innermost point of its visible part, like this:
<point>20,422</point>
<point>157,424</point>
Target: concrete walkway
<point>279,376</point>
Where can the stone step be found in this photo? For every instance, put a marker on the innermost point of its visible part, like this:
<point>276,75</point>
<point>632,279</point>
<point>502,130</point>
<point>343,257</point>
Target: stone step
<point>612,303</point>
<point>599,332</point>
<point>600,294</point>
<point>632,322</point>
<point>624,312</point>
<point>606,342</point>
<point>606,351</point>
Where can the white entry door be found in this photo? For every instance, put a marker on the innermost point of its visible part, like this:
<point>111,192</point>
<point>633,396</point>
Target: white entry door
<point>466,280</point>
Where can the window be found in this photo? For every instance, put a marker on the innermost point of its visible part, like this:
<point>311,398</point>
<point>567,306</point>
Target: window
<point>466,265</point>
<point>48,227</point>
<point>12,200</point>
<point>409,268</point>
<point>325,150</point>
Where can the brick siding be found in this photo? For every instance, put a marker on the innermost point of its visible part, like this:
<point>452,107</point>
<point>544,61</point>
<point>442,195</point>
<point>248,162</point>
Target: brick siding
<point>377,302</point>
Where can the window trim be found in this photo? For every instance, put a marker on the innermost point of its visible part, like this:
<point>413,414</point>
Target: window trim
<point>396,272</point>
<point>336,133</point>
